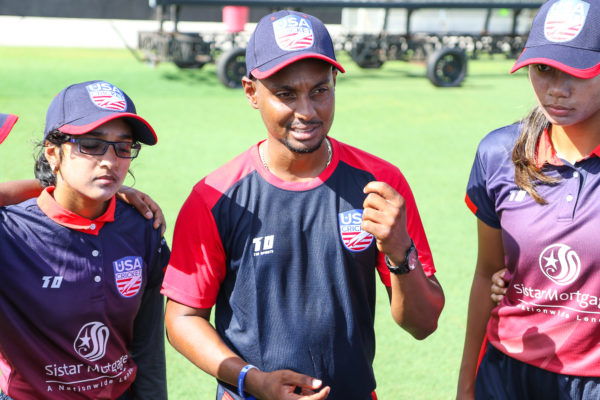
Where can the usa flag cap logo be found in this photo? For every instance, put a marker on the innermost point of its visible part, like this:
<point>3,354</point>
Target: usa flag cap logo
<point>293,32</point>
<point>107,96</point>
<point>285,37</point>
<point>565,34</point>
<point>353,237</point>
<point>565,20</point>
<point>82,107</point>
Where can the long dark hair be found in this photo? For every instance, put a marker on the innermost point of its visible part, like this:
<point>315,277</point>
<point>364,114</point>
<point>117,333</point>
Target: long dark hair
<point>528,174</point>
<point>44,172</point>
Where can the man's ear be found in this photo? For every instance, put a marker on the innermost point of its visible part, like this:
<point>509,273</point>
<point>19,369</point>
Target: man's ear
<point>334,73</point>
<point>250,89</point>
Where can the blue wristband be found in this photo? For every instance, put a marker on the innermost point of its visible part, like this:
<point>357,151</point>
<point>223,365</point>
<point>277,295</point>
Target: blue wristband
<point>242,379</point>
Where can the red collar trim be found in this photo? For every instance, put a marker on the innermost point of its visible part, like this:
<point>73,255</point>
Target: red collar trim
<point>546,154</point>
<point>69,219</point>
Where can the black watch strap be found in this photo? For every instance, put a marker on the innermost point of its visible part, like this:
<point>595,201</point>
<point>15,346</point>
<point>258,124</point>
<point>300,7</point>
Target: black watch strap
<point>407,265</point>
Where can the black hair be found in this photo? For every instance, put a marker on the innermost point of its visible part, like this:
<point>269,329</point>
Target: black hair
<point>44,173</point>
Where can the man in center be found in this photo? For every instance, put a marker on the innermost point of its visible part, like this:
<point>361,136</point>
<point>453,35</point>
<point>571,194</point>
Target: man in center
<point>286,239</point>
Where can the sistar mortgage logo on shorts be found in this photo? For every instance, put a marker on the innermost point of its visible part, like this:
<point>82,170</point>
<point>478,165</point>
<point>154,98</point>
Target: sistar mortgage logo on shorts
<point>562,265</point>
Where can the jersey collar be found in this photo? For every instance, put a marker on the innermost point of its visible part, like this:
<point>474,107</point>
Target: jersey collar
<point>546,154</point>
<point>69,219</point>
<point>302,185</point>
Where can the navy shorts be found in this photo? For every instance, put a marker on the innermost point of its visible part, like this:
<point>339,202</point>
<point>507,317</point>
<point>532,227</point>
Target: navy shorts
<point>501,377</point>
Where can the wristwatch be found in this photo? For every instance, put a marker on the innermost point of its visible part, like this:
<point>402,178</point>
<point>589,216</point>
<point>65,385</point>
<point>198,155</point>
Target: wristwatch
<point>410,261</point>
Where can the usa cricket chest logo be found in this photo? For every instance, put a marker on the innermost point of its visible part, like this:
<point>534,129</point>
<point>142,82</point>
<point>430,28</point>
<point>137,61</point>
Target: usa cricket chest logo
<point>128,275</point>
<point>107,96</point>
<point>565,20</point>
<point>353,237</point>
<point>293,32</point>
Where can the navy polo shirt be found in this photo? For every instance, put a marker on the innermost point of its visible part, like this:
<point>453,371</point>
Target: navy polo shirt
<point>287,265</point>
<point>79,302</point>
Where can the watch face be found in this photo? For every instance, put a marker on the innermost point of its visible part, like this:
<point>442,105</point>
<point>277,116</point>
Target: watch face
<point>413,258</point>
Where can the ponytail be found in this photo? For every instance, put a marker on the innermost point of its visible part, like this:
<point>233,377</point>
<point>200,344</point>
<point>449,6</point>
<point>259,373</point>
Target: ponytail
<point>528,174</point>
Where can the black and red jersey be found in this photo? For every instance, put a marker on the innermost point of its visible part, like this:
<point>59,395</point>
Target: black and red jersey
<point>287,265</point>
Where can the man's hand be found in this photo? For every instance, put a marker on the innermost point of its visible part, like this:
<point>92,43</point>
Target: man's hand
<point>384,216</point>
<point>498,286</point>
<point>145,205</point>
<point>285,385</point>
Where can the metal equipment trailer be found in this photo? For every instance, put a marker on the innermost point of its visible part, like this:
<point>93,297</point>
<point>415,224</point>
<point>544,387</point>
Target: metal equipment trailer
<point>444,52</point>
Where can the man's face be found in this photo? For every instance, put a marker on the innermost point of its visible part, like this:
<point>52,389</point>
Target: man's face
<point>296,104</point>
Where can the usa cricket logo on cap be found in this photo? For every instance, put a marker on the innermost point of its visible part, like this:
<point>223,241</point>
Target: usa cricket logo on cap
<point>128,275</point>
<point>353,237</point>
<point>107,96</point>
<point>293,32</point>
<point>565,20</point>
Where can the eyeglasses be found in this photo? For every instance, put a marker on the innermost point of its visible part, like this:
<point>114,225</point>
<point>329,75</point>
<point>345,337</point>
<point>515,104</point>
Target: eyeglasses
<point>98,147</point>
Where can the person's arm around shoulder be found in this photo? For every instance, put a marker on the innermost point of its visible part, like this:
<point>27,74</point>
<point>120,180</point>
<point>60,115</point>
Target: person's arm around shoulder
<point>190,332</point>
<point>490,258</point>
<point>15,192</point>
<point>416,300</point>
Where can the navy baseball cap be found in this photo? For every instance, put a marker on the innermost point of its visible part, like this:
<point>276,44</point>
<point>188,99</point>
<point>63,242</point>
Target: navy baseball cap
<point>284,37</point>
<point>7,121</point>
<point>82,107</point>
<point>565,35</point>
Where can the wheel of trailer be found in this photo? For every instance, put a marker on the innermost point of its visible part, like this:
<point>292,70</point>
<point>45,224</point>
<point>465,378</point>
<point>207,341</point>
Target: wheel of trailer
<point>365,52</point>
<point>447,67</point>
<point>231,67</point>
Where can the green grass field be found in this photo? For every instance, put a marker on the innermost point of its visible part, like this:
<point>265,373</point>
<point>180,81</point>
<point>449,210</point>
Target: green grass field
<point>394,112</point>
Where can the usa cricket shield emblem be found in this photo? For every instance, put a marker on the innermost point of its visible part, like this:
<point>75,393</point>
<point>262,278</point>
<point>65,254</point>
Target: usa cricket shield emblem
<point>107,96</point>
<point>128,275</point>
<point>293,32</point>
<point>565,20</point>
<point>353,237</point>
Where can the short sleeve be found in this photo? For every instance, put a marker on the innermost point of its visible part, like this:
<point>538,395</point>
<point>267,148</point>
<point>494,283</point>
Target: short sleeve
<point>197,265</point>
<point>478,198</point>
<point>414,227</point>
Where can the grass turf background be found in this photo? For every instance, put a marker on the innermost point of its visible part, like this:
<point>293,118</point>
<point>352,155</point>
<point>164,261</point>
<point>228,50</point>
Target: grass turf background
<point>394,112</point>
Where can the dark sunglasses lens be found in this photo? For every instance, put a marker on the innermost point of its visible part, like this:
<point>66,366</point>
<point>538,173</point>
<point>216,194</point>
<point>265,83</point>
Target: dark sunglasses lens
<point>92,146</point>
<point>127,150</point>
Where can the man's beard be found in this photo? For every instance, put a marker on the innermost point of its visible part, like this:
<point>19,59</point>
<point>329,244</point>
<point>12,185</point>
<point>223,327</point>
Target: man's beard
<point>301,150</point>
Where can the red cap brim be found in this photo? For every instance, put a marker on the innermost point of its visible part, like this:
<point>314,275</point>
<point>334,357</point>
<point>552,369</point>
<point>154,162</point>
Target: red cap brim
<point>258,74</point>
<point>146,135</point>
<point>9,121</point>
<point>586,73</point>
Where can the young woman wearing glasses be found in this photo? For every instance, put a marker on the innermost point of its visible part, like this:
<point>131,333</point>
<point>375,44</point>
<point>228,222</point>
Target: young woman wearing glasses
<point>80,307</point>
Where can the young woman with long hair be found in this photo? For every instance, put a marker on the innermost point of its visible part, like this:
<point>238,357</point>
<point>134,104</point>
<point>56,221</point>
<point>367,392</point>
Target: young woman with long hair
<point>535,189</point>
